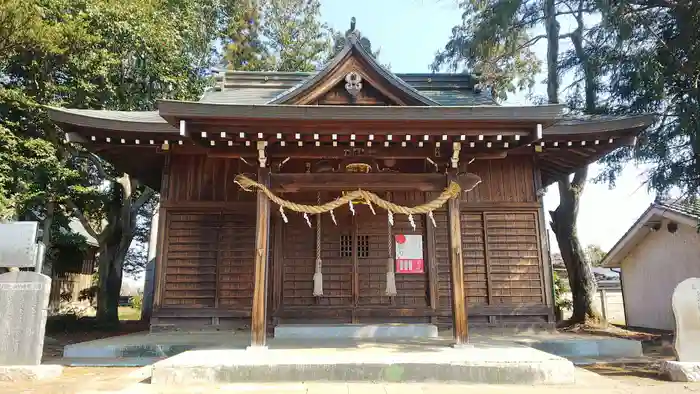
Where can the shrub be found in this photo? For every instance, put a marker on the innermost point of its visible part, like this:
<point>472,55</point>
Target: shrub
<point>137,301</point>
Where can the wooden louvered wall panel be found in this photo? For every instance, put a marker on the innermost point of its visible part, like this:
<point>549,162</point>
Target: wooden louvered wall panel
<point>475,275</point>
<point>298,262</point>
<point>236,271</point>
<point>209,260</point>
<point>513,251</point>
<point>190,279</point>
<point>508,262</point>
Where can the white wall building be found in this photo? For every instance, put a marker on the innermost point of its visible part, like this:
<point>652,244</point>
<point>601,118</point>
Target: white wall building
<point>659,251</point>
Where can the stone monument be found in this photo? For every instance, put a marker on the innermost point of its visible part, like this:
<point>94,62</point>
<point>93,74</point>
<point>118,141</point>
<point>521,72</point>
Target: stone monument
<point>24,300</point>
<point>686,310</point>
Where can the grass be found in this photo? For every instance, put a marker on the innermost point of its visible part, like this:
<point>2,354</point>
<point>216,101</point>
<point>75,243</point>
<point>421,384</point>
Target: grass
<point>129,313</point>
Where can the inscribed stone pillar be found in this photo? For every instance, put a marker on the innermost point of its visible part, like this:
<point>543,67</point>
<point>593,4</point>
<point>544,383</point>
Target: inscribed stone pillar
<point>686,309</point>
<point>24,301</point>
<point>18,247</point>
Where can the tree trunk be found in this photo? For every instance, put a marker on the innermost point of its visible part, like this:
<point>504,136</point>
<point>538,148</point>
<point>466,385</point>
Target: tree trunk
<point>581,279</point>
<point>47,268</point>
<point>564,218</point>
<point>111,262</point>
<point>552,29</point>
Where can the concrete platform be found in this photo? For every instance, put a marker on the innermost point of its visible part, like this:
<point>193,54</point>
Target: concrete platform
<point>28,373</point>
<point>480,363</point>
<point>319,331</point>
<point>144,348</point>
<point>585,346</point>
<point>145,345</point>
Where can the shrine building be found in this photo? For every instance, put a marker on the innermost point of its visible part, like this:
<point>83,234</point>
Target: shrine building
<point>349,195</point>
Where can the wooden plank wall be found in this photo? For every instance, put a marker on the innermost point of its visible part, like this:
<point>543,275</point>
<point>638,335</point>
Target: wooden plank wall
<point>504,274</point>
<point>209,245</point>
<point>210,231</point>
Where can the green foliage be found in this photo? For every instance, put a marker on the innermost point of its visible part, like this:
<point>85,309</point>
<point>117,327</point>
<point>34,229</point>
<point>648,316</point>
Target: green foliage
<point>96,54</point>
<point>137,301</point>
<point>244,48</point>
<point>594,255</point>
<point>294,35</point>
<point>117,55</point>
<point>494,42</point>
<point>653,65</point>
<point>560,288</point>
<point>89,294</point>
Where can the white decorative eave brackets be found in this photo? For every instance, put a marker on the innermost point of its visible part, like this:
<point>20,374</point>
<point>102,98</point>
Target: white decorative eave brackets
<point>456,148</point>
<point>75,137</point>
<point>261,153</point>
<point>183,128</point>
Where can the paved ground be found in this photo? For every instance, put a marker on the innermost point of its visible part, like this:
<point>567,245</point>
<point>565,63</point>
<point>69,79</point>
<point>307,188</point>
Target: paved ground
<point>135,380</point>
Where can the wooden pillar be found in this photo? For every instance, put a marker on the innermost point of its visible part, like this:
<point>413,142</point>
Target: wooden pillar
<point>459,309</point>
<point>262,238</point>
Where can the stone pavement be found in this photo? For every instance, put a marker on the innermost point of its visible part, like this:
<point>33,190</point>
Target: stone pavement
<point>135,381</point>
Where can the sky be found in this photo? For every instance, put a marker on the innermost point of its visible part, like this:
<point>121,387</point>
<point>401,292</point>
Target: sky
<point>410,32</point>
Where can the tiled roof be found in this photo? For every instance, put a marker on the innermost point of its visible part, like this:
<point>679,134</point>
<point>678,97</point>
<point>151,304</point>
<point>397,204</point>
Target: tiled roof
<point>684,206</point>
<point>250,87</point>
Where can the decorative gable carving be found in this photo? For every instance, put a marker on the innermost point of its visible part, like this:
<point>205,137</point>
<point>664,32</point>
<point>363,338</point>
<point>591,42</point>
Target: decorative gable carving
<point>357,70</point>
<point>353,83</point>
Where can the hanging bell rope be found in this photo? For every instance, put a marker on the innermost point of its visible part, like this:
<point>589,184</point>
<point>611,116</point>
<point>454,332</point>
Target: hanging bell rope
<point>453,190</point>
<point>318,274</point>
<point>390,275</point>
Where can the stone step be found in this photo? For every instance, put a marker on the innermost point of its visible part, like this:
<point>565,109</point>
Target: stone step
<point>480,363</point>
<point>581,347</point>
<point>107,361</point>
<point>355,331</point>
<point>612,360</point>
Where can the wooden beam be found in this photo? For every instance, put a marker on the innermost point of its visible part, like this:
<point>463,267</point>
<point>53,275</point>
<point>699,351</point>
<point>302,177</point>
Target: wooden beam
<point>309,151</point>
<point>459,309</point>
<point>262,239</point>
<point>352,181</point>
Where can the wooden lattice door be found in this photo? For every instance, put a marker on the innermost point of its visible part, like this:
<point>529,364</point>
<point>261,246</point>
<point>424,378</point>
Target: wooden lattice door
<point>372,250</point>
<point>337,257</point>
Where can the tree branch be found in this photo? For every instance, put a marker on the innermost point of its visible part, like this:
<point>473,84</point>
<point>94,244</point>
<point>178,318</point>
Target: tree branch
<point>580,178</point>
<point>94,159</point>
<point>143,198</point>
<point>83,220</point>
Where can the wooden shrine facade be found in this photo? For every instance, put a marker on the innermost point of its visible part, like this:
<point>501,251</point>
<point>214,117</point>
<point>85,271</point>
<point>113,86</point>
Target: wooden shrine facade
<point>228,257</point>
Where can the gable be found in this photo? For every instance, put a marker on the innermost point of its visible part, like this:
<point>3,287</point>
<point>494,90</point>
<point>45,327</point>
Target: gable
<point>356,70</point>
<point>339,95</point>
<point>653,221</point>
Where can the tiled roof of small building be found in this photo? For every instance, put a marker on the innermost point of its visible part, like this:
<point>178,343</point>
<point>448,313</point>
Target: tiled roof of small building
<point>685,206</point>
